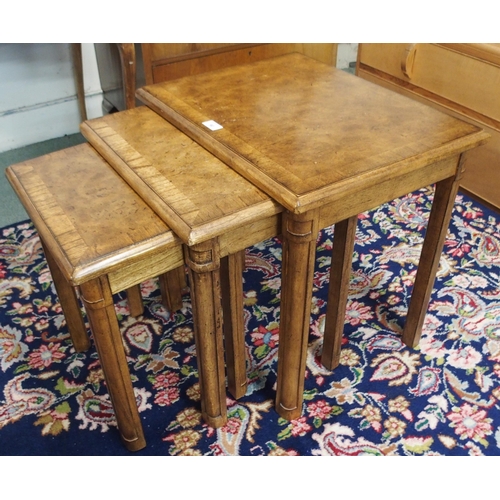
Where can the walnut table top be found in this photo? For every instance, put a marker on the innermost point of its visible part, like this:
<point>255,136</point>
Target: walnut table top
<point>305,132</point>
<point>55,190</point>
<point>192,190</point>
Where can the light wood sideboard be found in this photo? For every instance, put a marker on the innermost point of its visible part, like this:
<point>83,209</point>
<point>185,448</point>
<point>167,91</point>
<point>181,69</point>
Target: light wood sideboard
<point>462,79</point>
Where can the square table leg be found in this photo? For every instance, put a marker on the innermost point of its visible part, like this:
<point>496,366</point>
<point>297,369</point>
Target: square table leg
<point>437,227</point>
<point>171,284</point>
<point>134,299</point>
<point>232,267</point>
<point>338,290</point>
<point>69,304</point>
<point>98,299</point>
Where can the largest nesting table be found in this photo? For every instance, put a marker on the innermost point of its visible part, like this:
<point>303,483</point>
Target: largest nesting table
<point>327,146</point>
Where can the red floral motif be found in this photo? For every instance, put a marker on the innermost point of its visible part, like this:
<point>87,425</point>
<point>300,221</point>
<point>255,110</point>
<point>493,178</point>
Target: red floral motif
<point>263,336</point>
<point>468,212</point>
<point>167,397</point>
<point>46,355</point>
<point>320,409</point>
<point>168,392</point>
<point>457,249</point>
<point>357,313</point>
<point>166,379</point>
<point>469,422</point>
<point>300,427</point>
<point>232,426</point>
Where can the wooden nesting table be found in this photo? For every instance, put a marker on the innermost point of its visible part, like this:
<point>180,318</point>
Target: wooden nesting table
<point>215,212</point>
<point>98,236</point>
<point>326,145</point>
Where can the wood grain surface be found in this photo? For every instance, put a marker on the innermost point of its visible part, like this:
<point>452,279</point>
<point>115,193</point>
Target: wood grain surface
<point>194,192</point>
<point>90,219</point>
<point>305,132</point>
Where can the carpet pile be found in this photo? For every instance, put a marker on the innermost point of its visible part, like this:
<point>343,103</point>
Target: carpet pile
<point>441,398</point>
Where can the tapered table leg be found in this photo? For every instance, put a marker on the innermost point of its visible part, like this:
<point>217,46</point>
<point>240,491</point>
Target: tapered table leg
<point>134,299</point>
<point>338,290</point>
<point>299,250</point>
<point>233,325</point>
<point>98,300</point>
<point>69,304</point>
<point>439,219</point>
<point>204,270</point>
<point>171,284</point>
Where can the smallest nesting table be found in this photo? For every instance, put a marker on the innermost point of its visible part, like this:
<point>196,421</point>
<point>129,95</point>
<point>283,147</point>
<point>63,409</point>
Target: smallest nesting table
<point>100,237</point>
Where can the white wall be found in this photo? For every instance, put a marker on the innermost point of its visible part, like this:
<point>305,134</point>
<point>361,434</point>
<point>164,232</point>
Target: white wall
<point>346,54</point>
<point>38,93</point>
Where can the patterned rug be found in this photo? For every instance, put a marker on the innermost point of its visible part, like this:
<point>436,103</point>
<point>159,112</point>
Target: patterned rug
<point>384,399</point>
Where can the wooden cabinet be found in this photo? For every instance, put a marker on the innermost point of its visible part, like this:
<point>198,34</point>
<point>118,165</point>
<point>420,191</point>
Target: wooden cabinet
<point>124,67</point>
<point>167,61</point>
<point>460,79</point>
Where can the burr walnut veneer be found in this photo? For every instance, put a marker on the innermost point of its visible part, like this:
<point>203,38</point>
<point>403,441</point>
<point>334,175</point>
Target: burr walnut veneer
<point>326,145</point>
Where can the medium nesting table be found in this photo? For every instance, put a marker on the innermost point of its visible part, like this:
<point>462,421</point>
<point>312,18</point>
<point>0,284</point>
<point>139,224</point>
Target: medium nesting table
<point>215,212</point>
<point>327,146</point>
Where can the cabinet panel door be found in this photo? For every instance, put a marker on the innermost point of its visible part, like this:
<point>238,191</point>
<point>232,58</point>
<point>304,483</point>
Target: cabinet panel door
<point>449,74</point>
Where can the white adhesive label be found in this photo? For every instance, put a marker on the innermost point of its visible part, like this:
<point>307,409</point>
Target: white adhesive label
<point>212,125</point>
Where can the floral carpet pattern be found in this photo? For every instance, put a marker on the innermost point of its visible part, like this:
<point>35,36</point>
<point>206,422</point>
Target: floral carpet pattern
<point>442,398</point>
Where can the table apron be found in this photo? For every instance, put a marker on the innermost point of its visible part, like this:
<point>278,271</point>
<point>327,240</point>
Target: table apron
<point>250,234</point>
<point>156,264</point>
<point>371,197</point>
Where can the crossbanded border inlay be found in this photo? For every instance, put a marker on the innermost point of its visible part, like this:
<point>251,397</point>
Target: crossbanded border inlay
<point>161,186</point>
